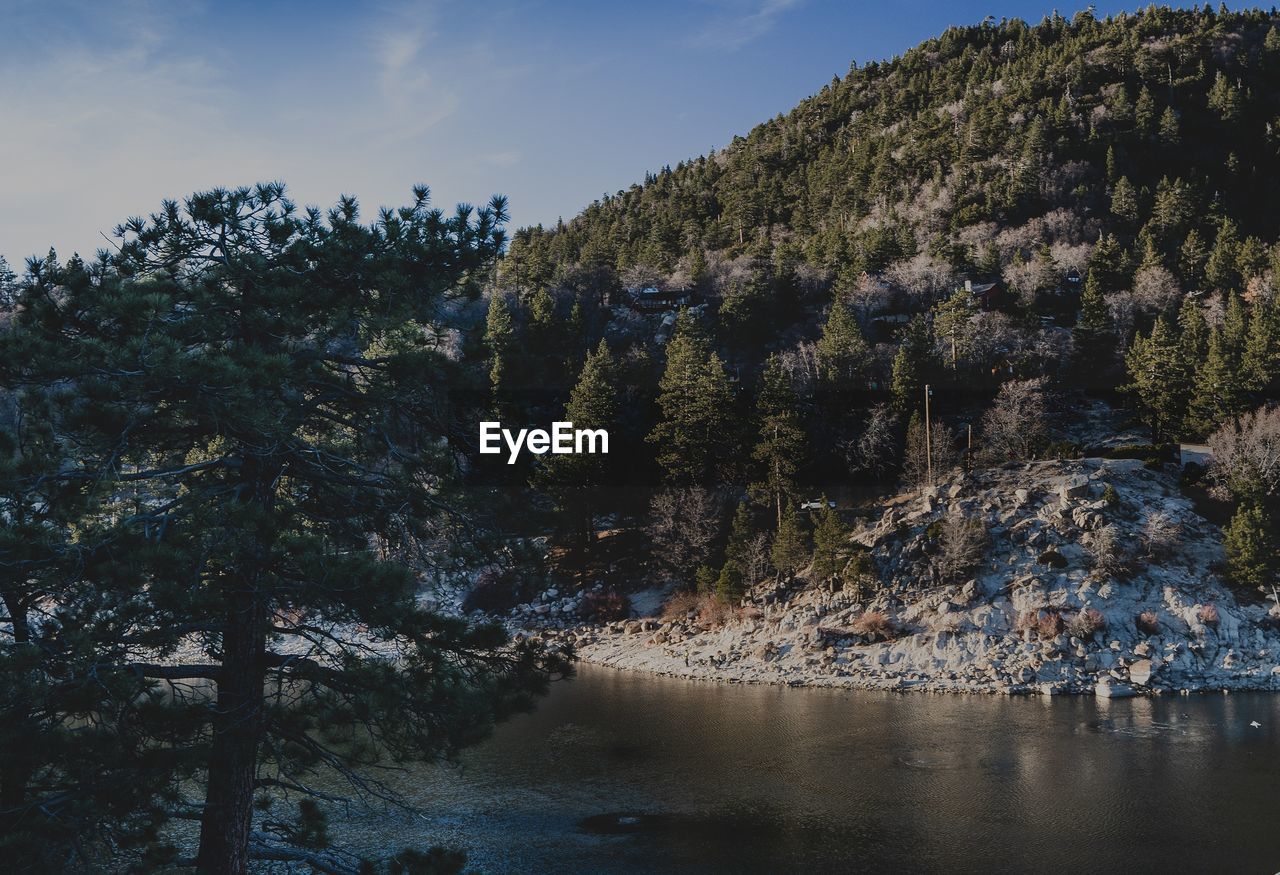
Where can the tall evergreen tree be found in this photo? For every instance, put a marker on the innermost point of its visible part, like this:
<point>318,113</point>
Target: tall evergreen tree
<point>842,351</point>
<point>696,434</point>
<point>911,365</point>
<point>1250,541</point>
<point>780,445</point>
<point>1218,392</point>
<point>830,544</point>
<point>580,481</point>
<point>255,402</point>
<point>790,543</point>
<point>500,338</point>
<point>1161,379</point>
<point>1261,358</point>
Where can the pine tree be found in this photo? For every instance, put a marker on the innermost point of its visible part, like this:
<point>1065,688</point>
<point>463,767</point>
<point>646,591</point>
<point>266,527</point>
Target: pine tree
<point>1222,270</point>
<point>1224,98</point>
<point>780,446</point>
<point>911,364</point>
<point>1218,392</point>
<point>1193,332</point>
<point>1124,201</point>
<point>1250,540</point>
<point>790,543</point>
<point>696,433</point>
<point>1161,379</point>
<point>579,481</point>
<point>1170,132</point>
<point>842,352</point>
<point>731,582</point>
<point>1235,329</point>
<point>499,337</point>
<point>830,544</point>
<point>254,405</point>
<point>1095,318</point>
<point>1144,114</point>
<point>704,580</point>
<point>1261,358</point>
<point>8,285</point>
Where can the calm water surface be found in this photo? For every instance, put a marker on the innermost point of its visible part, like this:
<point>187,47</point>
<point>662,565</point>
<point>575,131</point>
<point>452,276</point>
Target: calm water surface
<point>620,772</point>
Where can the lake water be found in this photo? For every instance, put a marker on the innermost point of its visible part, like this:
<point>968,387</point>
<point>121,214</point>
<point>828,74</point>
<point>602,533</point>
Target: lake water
<point>621,772</point>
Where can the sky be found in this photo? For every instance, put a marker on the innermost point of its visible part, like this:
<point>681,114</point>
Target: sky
<point>107,109</point>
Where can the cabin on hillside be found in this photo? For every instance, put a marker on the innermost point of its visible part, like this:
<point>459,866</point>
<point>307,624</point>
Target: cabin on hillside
<point>652,299</point>
<point>985,296</point>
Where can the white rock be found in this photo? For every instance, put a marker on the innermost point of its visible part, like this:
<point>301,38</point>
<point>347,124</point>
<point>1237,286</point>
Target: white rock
<point>1109,689</point>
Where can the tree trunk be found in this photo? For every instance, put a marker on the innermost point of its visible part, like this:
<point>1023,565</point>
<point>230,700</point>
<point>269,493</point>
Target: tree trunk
<point>16,767</point>
<point>228,809</point>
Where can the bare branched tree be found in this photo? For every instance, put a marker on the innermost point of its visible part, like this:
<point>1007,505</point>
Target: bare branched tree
<point>963,543</point>
<point>875,449</point>
<point>1014,426</point>
<point>683,524</point>
<point>1246,454</point>
<point>916,458</point>
<point>1161,534</point>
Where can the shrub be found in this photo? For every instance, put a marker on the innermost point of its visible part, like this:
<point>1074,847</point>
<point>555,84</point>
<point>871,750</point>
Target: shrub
<point>1085,623</point>
<point>1061,450</point>
<point>706,610</point>
<point>1209,615</point>
<point>1161,534</point>
<point>714,611</point>
<point>680,605</point>
<point>964,541</point>
<point>1112,555</point>
<point>875,626</point>
<point>1148,622</point>
<point>1052,558</point>
<point>1109,495</point>
<point>1135,451</point>
<point>1050,624</point>
<point>606,605</point>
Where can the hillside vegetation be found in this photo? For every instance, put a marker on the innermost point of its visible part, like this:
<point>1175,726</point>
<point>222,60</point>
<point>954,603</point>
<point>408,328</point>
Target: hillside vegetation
<point>1112,179</point>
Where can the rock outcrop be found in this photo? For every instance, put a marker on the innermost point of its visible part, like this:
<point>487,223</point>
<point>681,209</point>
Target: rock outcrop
<point>1094,576</point>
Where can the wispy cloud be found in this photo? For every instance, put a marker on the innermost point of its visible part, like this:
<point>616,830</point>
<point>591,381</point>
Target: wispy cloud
<point>414,99</point>
<point>92,126</point>
<point>740,22</point>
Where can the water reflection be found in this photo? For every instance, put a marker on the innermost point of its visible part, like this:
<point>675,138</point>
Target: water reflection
<point>710,778</point>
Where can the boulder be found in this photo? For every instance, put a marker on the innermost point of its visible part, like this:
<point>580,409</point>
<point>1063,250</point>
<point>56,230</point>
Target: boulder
<point>1074,487</point>
<point>1109,689</point>
<point>1140,672</point>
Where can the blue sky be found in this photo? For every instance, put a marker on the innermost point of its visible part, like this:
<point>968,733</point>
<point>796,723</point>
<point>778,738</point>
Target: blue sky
<point>105,109</point>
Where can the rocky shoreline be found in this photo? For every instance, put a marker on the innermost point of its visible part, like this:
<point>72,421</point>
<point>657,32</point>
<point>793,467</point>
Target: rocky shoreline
<point>1096,577</point>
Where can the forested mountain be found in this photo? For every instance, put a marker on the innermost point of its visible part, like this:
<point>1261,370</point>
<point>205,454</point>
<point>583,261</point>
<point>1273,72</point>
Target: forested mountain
<point>1103,187</point>
<point>1152,127</point>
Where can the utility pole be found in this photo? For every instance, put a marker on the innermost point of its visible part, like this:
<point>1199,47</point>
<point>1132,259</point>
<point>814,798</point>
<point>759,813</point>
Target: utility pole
<point>928,437</point>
